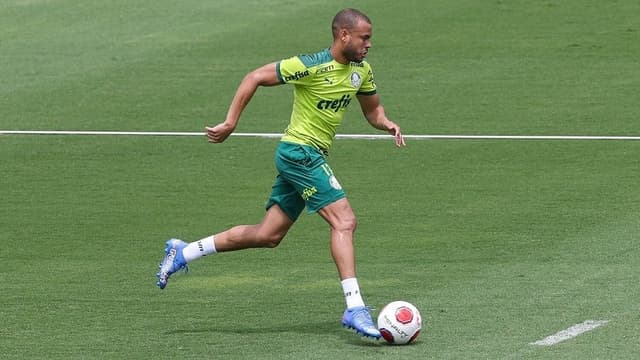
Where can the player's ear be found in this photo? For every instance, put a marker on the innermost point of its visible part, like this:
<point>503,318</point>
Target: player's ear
<point>344,34</point>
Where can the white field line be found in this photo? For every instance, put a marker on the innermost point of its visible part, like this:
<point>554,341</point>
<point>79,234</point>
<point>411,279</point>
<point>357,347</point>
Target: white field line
<point>339,136</point>
<point>570,333</point>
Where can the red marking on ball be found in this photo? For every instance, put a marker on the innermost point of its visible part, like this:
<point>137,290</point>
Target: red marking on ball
<point>404,315</point>
<point>386,334</point>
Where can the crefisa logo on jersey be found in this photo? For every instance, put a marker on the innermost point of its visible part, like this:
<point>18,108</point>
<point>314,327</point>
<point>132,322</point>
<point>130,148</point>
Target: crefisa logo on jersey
<point>356,79</point>
<point>335,104</point>
<point>297,76</point>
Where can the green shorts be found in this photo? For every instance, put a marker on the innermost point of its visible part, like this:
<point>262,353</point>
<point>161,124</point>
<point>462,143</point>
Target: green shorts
<point>304,179</point>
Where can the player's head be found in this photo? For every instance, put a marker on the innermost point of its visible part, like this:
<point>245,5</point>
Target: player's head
<point>352,34</point>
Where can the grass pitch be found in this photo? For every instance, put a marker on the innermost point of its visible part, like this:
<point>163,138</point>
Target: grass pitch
<point>499,243</point>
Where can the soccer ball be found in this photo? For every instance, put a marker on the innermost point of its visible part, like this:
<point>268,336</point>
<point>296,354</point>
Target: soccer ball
<point>399,322</point>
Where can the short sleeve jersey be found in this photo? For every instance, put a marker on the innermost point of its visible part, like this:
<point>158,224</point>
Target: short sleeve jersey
<point>323,89</point>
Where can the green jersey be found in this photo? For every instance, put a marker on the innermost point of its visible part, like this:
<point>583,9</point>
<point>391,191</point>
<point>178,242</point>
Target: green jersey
<point>323,89</point>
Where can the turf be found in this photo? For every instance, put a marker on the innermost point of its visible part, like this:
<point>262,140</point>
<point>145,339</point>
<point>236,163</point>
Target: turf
<point>499,243</point>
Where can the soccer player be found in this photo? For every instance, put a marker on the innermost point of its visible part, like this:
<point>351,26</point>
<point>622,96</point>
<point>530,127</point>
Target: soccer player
<point>325,84</point>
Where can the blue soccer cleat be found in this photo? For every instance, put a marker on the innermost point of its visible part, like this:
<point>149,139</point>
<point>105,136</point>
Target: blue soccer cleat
<point>359,319</point>
<point>173,261</point>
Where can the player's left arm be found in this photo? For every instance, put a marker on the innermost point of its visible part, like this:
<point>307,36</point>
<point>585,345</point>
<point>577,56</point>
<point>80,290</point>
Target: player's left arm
<point>375,115</point>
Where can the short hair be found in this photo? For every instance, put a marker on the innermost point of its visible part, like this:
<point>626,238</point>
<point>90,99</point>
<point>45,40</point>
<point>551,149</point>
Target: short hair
<point>347,19</point>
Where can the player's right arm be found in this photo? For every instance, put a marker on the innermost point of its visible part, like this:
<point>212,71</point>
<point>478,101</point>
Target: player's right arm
<point>375,115</point>
<point>263,76</point>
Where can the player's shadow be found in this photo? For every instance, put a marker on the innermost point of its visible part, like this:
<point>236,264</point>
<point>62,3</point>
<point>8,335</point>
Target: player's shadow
<point>325,328</point>
<point>306,328</point>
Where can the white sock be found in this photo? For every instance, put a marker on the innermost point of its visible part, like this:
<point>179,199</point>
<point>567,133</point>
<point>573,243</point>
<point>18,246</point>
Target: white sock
<point>198,249</point>
<point>352,293</point>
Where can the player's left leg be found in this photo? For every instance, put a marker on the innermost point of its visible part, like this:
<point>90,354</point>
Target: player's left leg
<point>306,169</point>
<point>342,221</point>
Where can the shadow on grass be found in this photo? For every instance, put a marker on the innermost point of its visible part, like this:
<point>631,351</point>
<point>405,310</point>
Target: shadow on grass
<point>325,328</point>
<point>308,328</point>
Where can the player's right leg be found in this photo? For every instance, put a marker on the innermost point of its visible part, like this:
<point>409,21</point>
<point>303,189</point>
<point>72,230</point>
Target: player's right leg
<point>172,261</point>
<point>268,233</point>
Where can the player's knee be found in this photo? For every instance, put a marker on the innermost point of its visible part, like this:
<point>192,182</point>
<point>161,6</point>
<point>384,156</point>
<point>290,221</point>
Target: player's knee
<point>272,240</point>
<point>346,223</point>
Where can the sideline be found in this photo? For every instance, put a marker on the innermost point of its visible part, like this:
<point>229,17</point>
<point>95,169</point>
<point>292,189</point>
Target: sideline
<point>338,136</point>
<point>570,333</point>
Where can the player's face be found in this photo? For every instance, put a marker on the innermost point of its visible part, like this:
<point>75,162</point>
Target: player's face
<point>358,42</point>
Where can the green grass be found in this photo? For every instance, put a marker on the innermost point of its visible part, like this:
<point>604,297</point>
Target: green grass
<point>499,243</point>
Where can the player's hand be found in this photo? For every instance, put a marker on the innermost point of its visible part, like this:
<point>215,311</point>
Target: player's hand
<point>394,130</point>
<point>219,133</point>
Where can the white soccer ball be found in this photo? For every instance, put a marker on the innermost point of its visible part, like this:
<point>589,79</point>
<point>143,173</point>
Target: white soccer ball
<point>399,322</point>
